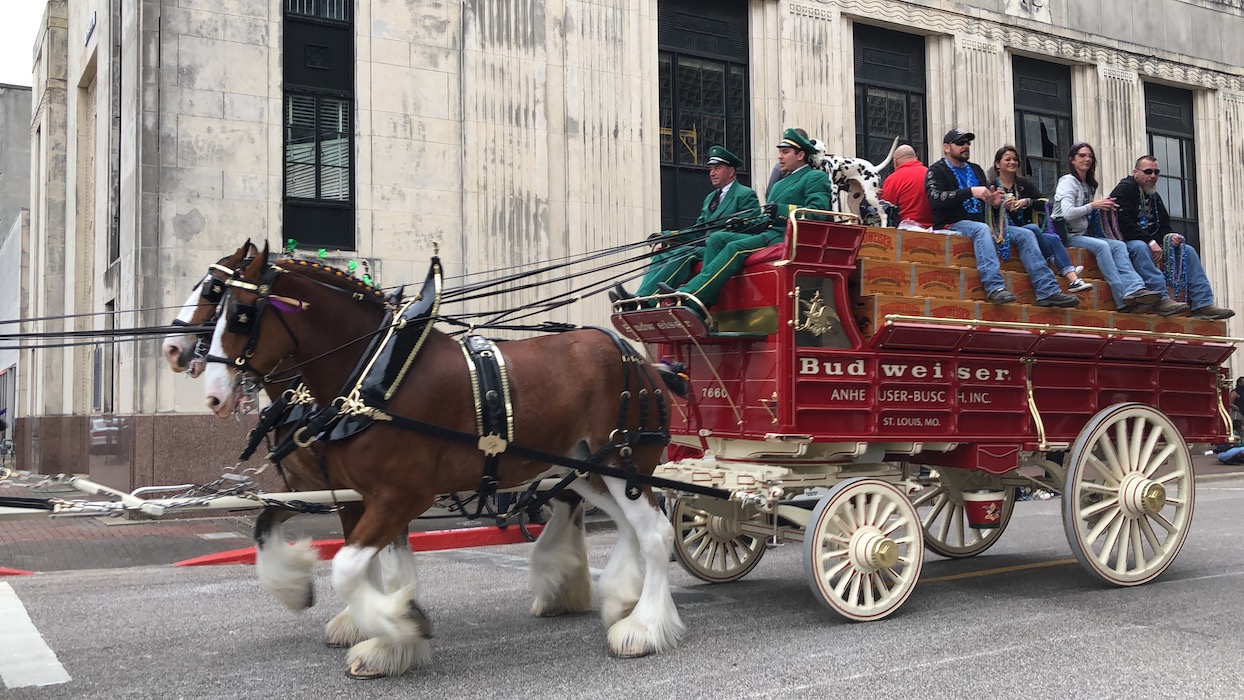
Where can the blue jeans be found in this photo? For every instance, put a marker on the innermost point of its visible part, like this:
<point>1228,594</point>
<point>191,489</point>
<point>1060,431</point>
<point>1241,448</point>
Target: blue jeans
<point>1228,455</point>
<point>990,269</point>
<point>1199,292</point>
<point>1114,263</point>
<point>1052,248</point>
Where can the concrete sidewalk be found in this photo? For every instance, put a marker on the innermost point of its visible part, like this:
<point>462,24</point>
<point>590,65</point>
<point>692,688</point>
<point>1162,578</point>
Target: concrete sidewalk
<point>60,544</point>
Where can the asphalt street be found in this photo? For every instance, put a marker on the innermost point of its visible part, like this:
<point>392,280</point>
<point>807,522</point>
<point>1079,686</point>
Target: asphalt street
<point>967,631</point>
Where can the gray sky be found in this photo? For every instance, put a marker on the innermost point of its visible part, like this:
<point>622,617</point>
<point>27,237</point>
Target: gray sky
<point>19,21</point>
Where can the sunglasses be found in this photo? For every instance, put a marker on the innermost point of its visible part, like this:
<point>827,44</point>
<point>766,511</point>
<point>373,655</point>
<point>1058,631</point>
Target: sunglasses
<point>963,142</point>
<point>1151,171</point>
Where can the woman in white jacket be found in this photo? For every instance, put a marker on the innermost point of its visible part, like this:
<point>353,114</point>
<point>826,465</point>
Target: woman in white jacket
<point>1073,203</point>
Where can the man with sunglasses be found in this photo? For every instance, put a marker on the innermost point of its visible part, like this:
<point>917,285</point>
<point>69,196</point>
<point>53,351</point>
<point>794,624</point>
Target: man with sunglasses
<point>1145,224</point>
<point>961,200</point>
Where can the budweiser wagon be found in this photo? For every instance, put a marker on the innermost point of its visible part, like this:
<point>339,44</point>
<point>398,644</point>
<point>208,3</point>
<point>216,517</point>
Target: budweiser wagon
<point>853,391</point>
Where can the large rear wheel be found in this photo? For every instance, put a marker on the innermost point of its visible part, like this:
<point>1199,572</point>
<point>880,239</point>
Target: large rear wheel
<point>1129,495</point>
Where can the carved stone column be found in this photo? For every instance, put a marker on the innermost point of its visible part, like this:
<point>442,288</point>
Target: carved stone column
<point>1121,110</point>
<point>813,84</point>
<point>1220,149</point>
<point>983,99</point>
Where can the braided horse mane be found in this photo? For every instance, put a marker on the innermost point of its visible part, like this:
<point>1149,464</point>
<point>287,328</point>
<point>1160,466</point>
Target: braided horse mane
<point>332,276</point>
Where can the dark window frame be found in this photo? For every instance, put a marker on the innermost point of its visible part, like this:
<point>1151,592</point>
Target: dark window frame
<point>1181,130</point>
<point>1053,105</point>
<point>316,220</point>
<point>912,89</point>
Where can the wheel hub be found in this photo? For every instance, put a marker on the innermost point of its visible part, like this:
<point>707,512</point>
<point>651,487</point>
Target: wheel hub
<point>1139,496</point>
<point>722,529</point>
<point>871,551</point>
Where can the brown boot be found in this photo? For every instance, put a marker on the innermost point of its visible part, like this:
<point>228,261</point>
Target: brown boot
<point>1169,307</point>
<point>1213,313</point>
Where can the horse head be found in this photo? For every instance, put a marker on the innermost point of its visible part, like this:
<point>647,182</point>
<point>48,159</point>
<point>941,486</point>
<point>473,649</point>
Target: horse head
<point>185,351</point>
<point>278,315</point>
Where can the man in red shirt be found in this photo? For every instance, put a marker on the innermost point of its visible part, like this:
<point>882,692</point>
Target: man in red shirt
<point>905,187</point>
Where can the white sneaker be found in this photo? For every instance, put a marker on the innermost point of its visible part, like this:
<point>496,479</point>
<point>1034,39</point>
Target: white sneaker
<point>1079,269</point>
<point>1079,286</point>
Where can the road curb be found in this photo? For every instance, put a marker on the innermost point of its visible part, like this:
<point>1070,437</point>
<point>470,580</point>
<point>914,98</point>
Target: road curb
<point>419,542</point>
<point>15,572</point>
<point>1219,477</point>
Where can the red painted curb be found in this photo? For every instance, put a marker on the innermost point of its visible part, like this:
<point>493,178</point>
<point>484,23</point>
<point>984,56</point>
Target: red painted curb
<point>15,572</point>
<point>419,542</point>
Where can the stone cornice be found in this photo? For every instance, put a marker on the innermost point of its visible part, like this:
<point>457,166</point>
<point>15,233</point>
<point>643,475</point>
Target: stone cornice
<point>1045,43</point>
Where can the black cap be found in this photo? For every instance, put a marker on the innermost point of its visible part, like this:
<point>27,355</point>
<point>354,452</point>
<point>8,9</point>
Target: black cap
<point>957,134</point>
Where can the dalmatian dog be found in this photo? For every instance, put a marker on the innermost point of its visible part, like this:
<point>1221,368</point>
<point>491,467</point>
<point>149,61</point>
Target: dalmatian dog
<point>855,174</point>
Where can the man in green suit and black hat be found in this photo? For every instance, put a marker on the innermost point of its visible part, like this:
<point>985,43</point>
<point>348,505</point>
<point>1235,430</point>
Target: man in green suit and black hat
<point>729,197</point>
<point>802,186</point>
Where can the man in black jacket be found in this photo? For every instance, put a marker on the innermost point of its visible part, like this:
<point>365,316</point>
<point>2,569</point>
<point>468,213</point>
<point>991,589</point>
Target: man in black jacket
<point>1145,223</point>
<point>959,198</point>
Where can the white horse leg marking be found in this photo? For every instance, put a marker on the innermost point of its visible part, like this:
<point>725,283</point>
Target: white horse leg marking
<point>285,569</point>
<point>654,625</point>
<point>394,624</point>
<point>621,582</point>
<point>397,565</point>
<point>561,582</point>
<point>341,632</point>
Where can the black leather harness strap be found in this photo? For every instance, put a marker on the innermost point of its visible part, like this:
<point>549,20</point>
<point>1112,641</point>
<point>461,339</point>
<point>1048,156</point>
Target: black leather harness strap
<point>494,411</point>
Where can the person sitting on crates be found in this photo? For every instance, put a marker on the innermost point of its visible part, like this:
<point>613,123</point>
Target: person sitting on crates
<point>1024,206</point>
<point>905,188</point>
<point>1146,228</point>
<point>961,201</point>
<point>725,252</point>
<point>672,265</point>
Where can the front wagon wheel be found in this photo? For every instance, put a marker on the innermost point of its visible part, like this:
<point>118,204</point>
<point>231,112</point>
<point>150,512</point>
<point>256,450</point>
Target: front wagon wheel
<point>1129,495</point>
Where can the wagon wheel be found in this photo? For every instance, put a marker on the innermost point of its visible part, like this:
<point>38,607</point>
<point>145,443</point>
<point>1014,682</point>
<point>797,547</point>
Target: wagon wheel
<point>711,547</point>
<point>863,549</point>
<point>945,523</point>
<point>1129,495</point>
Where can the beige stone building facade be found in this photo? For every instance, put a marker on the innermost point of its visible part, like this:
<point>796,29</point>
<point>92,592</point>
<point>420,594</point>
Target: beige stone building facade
<point>165,132</point>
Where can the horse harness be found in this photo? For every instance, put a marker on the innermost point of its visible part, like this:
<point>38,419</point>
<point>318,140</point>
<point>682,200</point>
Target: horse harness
<point>390,355</point>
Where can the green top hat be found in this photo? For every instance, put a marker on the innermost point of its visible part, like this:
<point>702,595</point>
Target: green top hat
<point>719,154</point>
<point>792,139</point>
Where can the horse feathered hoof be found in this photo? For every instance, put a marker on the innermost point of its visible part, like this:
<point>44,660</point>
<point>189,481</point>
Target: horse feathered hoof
<point>359,672</point>
<point>636,651</point>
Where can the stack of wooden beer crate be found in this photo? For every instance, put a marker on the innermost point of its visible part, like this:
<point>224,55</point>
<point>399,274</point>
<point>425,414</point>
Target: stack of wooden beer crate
<point>918,273</point>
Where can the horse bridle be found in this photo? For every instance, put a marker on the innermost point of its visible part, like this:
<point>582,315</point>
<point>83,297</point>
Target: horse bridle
<point>243,319</point>
<point>211,290</point>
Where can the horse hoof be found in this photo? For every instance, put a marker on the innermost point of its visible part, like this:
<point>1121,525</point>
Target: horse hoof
<point>632,652</point>
<point>359,672</point>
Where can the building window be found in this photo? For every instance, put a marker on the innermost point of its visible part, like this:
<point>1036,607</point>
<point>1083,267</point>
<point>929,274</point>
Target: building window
<point>889,92</point>
<point>318,116</point>
<point>1168,121</point>
<point>317,148</point>
<point>336,10</point>
<point>1042,120</point>
<point>702,74</point>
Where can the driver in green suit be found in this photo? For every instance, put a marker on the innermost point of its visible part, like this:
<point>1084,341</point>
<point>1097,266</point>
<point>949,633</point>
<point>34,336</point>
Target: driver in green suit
<point>729,197</point>
<point>726,251</point>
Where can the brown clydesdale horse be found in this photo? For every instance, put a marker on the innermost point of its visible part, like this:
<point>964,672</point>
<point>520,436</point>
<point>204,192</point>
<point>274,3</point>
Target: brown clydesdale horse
<point>282,567</point>
<point>566,394</point>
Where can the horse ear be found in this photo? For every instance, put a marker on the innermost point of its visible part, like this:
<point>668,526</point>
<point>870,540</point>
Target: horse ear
<point>247,247</point>
<point>257,266</point>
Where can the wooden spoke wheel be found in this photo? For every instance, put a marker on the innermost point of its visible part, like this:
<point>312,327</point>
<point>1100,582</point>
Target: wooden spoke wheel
<point>863,549</point>
<point>945,521</point>
<point>1129,495</point>
<point>714,548</point>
